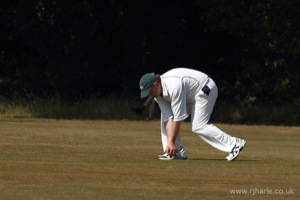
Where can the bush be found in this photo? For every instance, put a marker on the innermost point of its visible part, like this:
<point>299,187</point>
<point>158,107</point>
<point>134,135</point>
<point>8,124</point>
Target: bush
<point>116,108</point>
<point>57,108</point>
<point>249,114</point>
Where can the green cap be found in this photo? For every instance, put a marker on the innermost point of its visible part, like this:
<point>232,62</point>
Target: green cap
<point>146,83</point>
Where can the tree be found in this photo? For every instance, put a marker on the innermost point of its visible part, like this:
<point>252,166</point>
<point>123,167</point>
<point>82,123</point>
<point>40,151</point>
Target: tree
<point>268,58</point>
<point>96,48</point>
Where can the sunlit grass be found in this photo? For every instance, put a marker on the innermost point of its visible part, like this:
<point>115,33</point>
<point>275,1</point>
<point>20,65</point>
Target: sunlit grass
<point>81,159</point>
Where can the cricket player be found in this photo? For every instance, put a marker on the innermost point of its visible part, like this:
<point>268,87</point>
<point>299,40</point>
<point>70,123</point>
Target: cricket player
<point>182,92</point>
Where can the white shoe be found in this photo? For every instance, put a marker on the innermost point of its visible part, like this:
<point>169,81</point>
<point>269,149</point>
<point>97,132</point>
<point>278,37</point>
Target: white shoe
<point>165,157</point>
<point>238,147</point>
<point>181,155</point>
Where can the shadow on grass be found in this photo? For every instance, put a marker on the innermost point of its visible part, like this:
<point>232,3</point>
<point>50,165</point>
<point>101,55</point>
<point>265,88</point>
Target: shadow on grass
<point>219,159</point>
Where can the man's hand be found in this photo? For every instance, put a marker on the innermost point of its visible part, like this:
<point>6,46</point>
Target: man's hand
<point>171,149</point>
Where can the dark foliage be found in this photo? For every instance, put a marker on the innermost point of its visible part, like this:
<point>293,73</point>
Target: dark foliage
<point>77,49</point>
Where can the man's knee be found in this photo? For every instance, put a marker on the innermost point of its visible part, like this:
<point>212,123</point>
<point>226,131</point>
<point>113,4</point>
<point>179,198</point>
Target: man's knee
<point>198,128</point>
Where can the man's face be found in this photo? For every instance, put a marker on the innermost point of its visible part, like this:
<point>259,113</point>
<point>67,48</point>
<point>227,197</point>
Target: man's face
<point>155,90</point>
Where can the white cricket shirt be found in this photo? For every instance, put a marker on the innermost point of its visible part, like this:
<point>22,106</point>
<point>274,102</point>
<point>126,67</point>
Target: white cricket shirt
<point>180,87</point>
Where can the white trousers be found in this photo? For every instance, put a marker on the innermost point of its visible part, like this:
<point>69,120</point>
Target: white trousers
<point>201,111</point>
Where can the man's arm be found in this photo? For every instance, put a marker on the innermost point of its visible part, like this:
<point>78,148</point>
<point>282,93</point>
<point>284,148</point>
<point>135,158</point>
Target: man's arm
<point>172,128</point>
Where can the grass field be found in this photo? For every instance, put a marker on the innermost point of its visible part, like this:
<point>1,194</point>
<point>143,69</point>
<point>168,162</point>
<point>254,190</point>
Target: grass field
<point>73,159</point>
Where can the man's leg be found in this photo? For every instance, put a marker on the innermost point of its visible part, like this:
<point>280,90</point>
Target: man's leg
<point>201,112</point>
<point>181,154</point>
<point>164,137</point>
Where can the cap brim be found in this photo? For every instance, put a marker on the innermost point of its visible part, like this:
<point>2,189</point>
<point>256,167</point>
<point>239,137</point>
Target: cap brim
<point>145,93</point>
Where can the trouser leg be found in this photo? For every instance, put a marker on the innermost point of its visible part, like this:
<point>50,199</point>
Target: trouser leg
<point>216,137</point>
<point>201,112</point>
<point>164,137</point>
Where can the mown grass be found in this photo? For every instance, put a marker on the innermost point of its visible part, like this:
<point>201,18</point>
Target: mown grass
<point>102,159</point>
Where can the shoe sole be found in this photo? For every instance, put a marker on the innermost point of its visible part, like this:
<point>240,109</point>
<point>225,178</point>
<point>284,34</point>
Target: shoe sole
<point>242,147</point>
<point>171,158</point>
<point>165,158</point>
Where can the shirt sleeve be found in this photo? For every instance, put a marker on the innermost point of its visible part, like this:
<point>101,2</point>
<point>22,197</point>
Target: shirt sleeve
<point>165,108</point>
<point>178,104</point>
<point>177,96</point>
